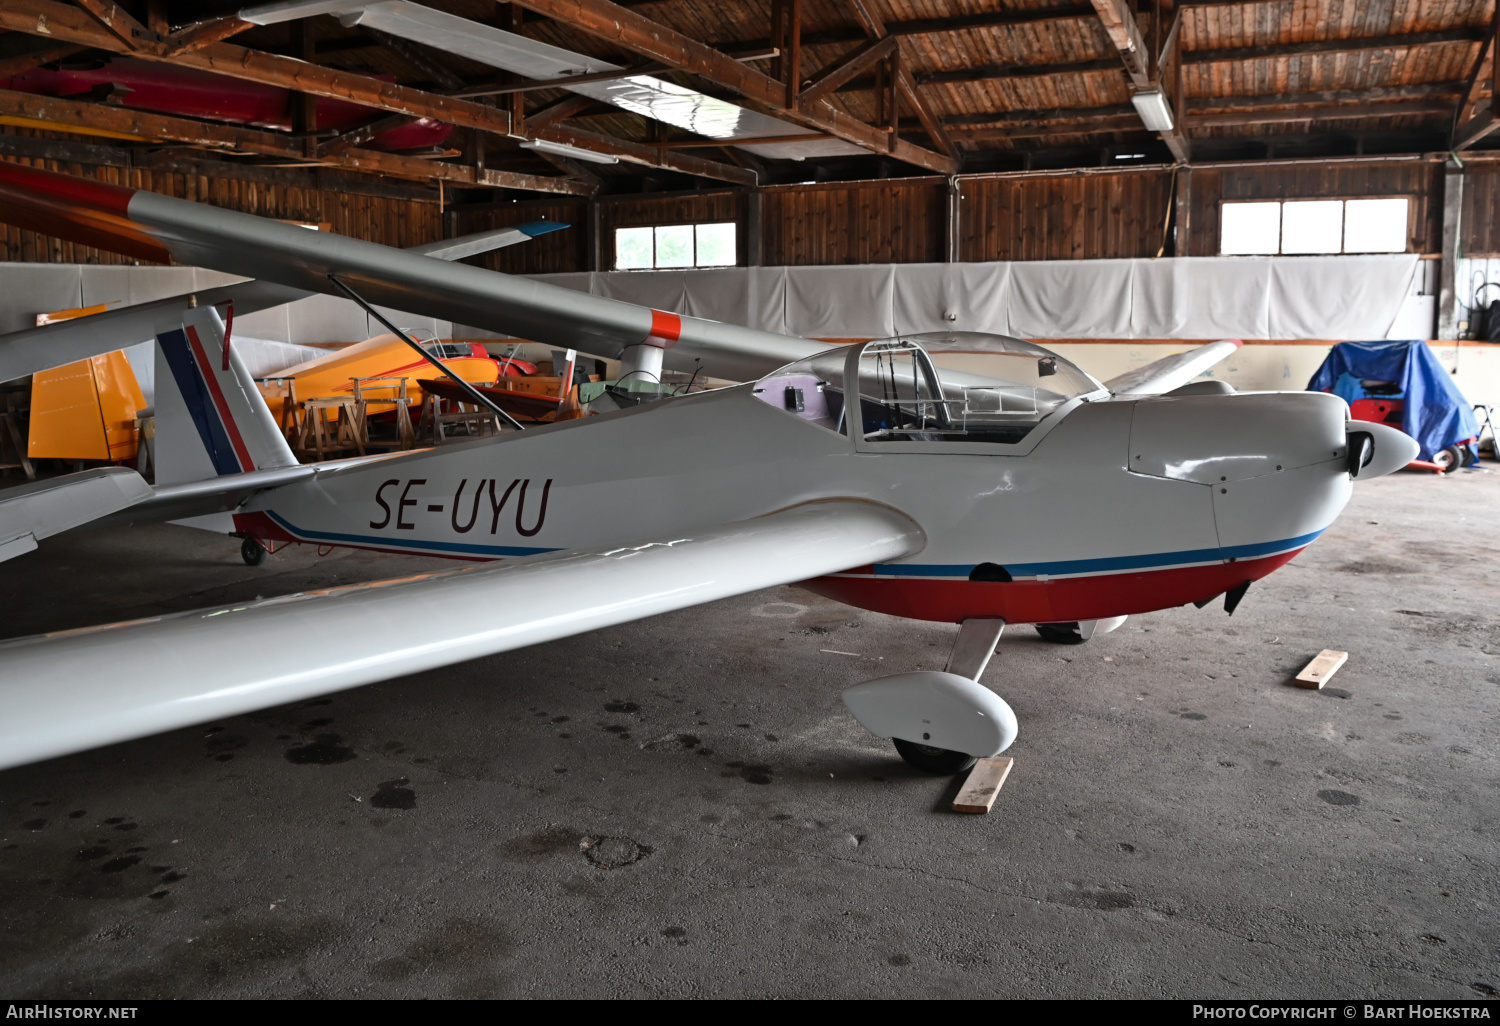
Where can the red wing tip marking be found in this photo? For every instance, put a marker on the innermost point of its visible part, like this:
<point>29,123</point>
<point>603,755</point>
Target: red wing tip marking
<point>1236,342</point>
<point>113,199</point>
<point>666,327</point>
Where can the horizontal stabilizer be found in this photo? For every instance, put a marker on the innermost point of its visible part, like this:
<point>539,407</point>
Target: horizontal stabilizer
<point>39,510</point>
<point>1171,371</point>
<point>484,242</point>
<point>81,689</point>
<point>32,350</point>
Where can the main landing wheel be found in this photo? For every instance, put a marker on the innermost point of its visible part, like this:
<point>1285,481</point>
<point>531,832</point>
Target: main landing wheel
<point>252,553</point>
<point>1060,633</point>
<point>934,760</point>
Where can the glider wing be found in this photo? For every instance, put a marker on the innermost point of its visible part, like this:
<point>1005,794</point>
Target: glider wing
<point>80,689</point>
<point>156,227</point>
<point>1171,371</point>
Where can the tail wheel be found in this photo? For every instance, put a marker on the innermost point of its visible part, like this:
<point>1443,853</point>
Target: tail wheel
<point>928,759</point>
<point>1450,459</point>
<point>252,552</point>
<point>1060,633</point>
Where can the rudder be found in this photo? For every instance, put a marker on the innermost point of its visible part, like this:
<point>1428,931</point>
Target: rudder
<point>210,417</point>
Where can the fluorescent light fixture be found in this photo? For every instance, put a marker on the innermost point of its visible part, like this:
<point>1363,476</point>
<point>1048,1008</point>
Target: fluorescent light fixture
<point>1152,106</point>
<point>564,150</point>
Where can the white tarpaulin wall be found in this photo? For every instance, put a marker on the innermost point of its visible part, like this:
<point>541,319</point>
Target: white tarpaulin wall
<point>1343,297</point>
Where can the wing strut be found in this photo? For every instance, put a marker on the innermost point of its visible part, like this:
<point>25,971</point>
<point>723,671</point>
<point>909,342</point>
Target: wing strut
<point>469,389</point>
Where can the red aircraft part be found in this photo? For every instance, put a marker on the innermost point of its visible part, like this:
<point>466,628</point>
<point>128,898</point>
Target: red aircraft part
<point>187,92</point>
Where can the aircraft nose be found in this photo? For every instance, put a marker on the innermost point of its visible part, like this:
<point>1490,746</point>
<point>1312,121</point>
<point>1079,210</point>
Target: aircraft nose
<point>1217,439</point>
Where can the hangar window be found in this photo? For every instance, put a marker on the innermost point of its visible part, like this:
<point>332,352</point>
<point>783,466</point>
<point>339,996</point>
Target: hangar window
<point>1314,226</point>
<point>675,245</point>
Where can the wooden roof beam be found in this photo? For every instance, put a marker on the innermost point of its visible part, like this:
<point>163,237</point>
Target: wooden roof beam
<point>68,24</point>
<point>22,63</point>
<point>1470,123</point>
<point>204,33</point>
<point>119,23</point>
<point>1234,119</point>
<point>855,62</point>
<point>568,107</point>
<point>1121,28</point>
<point>624,28</point>
<point>1146,69</point>
<point>648,155</point>
<point>875,28</point>
<point>117,122</point>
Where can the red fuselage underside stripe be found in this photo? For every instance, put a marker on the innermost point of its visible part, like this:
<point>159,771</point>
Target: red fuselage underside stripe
<point>1055,601</point>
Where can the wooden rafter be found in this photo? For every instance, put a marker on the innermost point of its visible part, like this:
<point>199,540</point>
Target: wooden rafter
<point>875,28</point>
<point>420,61</point>
<point>204,33</point>
<point>19,65</point>
<point>1338,112</point>
<point>70,24</point>
<point>363,134</point>
<point>1472,124</point>
<point>562,110</point>
<point>855,62</point>
<point>119,23</point>
<point>1120,25</point>
<point>1148,70</point>
<point>118,122</point>
<point>647,155</point>
<point>609,21</point>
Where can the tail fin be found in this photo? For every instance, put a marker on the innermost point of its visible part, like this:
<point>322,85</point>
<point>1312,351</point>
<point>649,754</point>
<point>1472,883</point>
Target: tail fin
<point>210,417</point>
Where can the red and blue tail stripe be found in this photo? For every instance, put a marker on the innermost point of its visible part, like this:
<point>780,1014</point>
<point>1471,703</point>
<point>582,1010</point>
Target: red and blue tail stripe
<point>192,369</point>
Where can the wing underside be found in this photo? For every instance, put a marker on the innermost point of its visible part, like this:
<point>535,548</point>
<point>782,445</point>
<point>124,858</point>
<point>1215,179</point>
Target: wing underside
<point>82,689</point>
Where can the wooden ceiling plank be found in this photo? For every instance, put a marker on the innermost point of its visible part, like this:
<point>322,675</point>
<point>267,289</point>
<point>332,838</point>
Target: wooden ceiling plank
<point>69,24</point>
<point>623,28</point>
<point>1354,44</point>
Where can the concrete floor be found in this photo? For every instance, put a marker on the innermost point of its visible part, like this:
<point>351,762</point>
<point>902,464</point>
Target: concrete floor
<point>680,807</point>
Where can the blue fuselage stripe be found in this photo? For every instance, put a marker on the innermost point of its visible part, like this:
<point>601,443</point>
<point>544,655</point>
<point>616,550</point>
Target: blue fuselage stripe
<point>388,542</point>
<point>1066,567</point>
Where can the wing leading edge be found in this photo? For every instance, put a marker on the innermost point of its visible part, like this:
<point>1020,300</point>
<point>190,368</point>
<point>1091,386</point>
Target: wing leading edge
<point>156,227</point>
<point>75,690</point>
<point>1172,371</point>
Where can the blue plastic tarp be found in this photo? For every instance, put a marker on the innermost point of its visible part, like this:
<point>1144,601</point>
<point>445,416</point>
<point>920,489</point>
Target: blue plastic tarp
<point>1436,414</point>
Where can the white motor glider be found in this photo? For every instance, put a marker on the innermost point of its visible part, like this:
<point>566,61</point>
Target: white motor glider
<point>972,479</point>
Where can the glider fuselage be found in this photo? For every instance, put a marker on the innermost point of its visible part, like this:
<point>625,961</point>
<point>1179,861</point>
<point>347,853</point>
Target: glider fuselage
<point>1113,507</point>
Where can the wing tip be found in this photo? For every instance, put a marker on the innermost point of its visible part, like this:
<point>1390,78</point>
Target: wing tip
<point>535,228</point>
